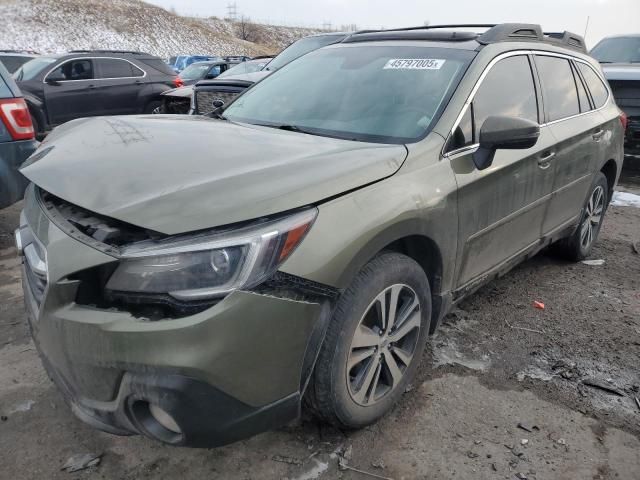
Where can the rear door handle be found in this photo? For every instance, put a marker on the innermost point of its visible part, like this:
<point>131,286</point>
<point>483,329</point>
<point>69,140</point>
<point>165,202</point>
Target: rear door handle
<point>545,160</point>
<point>598,134</point>
<point>92,87</point>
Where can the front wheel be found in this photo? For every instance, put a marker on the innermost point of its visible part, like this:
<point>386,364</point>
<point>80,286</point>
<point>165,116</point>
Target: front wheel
<point>374,343</point>
<point>154,107</point>
<point>578,246</point>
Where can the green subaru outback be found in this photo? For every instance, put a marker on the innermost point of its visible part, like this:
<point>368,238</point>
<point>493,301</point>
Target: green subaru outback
<point>196,279</point>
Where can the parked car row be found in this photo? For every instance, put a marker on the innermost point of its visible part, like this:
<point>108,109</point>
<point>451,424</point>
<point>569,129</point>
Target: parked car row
<point>620,59</point>
<point>199,99</point>
<point>199,279</point>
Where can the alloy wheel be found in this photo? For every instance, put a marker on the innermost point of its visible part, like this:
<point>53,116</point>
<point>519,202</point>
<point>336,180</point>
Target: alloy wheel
<point>593,217</point>
<point>383,344</point>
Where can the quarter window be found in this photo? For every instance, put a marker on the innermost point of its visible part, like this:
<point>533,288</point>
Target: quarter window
<point>583,98</point>
<point>558,87</point>
<point>463,134</point>
<point>81,69</point>
<point>599,92</point>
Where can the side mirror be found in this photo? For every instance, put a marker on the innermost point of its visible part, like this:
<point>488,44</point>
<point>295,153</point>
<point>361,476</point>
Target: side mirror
<point>504,133</point>
<point>55,81</point>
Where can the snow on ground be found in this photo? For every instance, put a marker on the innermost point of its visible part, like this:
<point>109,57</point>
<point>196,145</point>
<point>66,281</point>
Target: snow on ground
<point>51,26</point>
<point>625,199</point>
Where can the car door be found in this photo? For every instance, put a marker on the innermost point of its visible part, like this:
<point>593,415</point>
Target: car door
<point>70,91</point>
<point>501,208</point>
<point>119,83</point>
<point>570,116</point>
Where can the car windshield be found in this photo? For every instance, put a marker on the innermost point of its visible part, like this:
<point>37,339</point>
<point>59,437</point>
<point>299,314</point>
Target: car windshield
<point>301,47</point>
<point>384,94</point>
<point>29,70</point>
<point>618,50</point>
<point>195,71</point>
<point>244,67</point>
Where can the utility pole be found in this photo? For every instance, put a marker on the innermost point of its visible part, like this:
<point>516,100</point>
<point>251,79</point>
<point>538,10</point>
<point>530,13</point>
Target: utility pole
<point>232,11</point>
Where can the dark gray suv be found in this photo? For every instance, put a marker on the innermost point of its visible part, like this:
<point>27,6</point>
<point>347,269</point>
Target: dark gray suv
<point>193,279</point>
<point>87,83</point>
<point>17,139</point>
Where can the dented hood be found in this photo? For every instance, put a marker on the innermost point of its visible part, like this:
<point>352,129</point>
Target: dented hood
<point>175,174</point>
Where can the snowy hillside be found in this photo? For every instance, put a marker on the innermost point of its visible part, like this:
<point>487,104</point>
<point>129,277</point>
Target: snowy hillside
<point>61,25</point>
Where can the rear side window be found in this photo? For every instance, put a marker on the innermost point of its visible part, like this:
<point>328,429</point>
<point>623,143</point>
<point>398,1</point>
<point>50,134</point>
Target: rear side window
<point>13,62</point>
<point>5,92</point>
<point>597,88</point>
<point>81,69</point>
<point>158,65</point>
<point>507,90</point>
<point>114,68</point>
<point>558,87</point>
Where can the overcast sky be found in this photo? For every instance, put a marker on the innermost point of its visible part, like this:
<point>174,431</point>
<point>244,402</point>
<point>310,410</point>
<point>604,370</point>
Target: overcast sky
<point>607,17</point>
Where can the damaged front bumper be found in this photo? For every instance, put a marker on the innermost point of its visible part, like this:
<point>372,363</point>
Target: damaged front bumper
<point>233,370</point>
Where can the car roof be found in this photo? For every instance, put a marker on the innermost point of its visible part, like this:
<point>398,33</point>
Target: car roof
<point>460,35</point>
<point>215,62</point>
<point>18,54</point>
<point>129,54</point>
<point>628,35</point>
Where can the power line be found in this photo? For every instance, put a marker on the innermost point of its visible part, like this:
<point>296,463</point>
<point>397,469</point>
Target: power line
<point>232,10</point>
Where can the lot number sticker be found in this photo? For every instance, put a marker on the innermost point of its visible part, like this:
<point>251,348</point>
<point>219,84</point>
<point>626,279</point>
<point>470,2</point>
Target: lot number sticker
<point>414,64</point>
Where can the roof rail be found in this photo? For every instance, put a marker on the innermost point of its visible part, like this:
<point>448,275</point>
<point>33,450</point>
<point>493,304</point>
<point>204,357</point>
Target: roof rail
<point>525,31</point>
<point>133,52</point>
<point>503,32</point>
<point>568,38</point>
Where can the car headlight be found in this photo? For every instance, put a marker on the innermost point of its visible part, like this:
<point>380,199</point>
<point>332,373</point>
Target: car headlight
<point>210,265</point>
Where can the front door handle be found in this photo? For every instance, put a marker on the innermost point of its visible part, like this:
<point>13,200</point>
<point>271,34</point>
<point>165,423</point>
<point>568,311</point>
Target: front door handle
<point>92,87</point>
<point>545,160</point>
<point>598,134</point>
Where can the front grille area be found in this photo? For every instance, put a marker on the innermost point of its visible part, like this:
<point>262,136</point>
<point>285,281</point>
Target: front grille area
<point>205,99</point>
<point>98,228</point>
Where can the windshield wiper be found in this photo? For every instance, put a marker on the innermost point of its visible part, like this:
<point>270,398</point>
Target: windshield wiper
<point>291,128</point>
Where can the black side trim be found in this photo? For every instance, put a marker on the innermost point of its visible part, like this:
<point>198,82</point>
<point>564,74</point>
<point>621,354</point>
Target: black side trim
<point>285,285</point>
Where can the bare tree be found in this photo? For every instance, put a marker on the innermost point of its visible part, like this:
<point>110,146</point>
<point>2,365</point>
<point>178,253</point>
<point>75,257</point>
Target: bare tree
<point>246,29</point>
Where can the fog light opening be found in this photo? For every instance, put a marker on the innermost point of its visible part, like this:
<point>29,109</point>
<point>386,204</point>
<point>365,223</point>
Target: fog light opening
<point>156,422</point>
<point>164,419</point>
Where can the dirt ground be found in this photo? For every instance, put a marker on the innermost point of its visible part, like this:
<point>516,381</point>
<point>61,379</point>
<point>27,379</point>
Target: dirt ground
<point>505,391</point>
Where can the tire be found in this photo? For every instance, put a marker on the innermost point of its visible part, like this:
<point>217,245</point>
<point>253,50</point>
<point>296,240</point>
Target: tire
<point>578,246</point>
<point>153,107</point>
<point>35,123</point>
<point>335,395</point>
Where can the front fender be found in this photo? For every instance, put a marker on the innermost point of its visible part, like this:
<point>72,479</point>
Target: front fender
<point>419,200</point>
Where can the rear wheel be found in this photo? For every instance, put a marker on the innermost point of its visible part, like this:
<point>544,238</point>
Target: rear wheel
<point>578,246</point>
<point>374,342</point>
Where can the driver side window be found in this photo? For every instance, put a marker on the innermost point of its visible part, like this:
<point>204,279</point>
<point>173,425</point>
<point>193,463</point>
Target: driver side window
<point>81,69</point>
<point>507,90</point>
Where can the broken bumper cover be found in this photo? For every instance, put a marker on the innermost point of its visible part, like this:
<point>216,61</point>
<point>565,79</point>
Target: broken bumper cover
<point>231,371</point>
